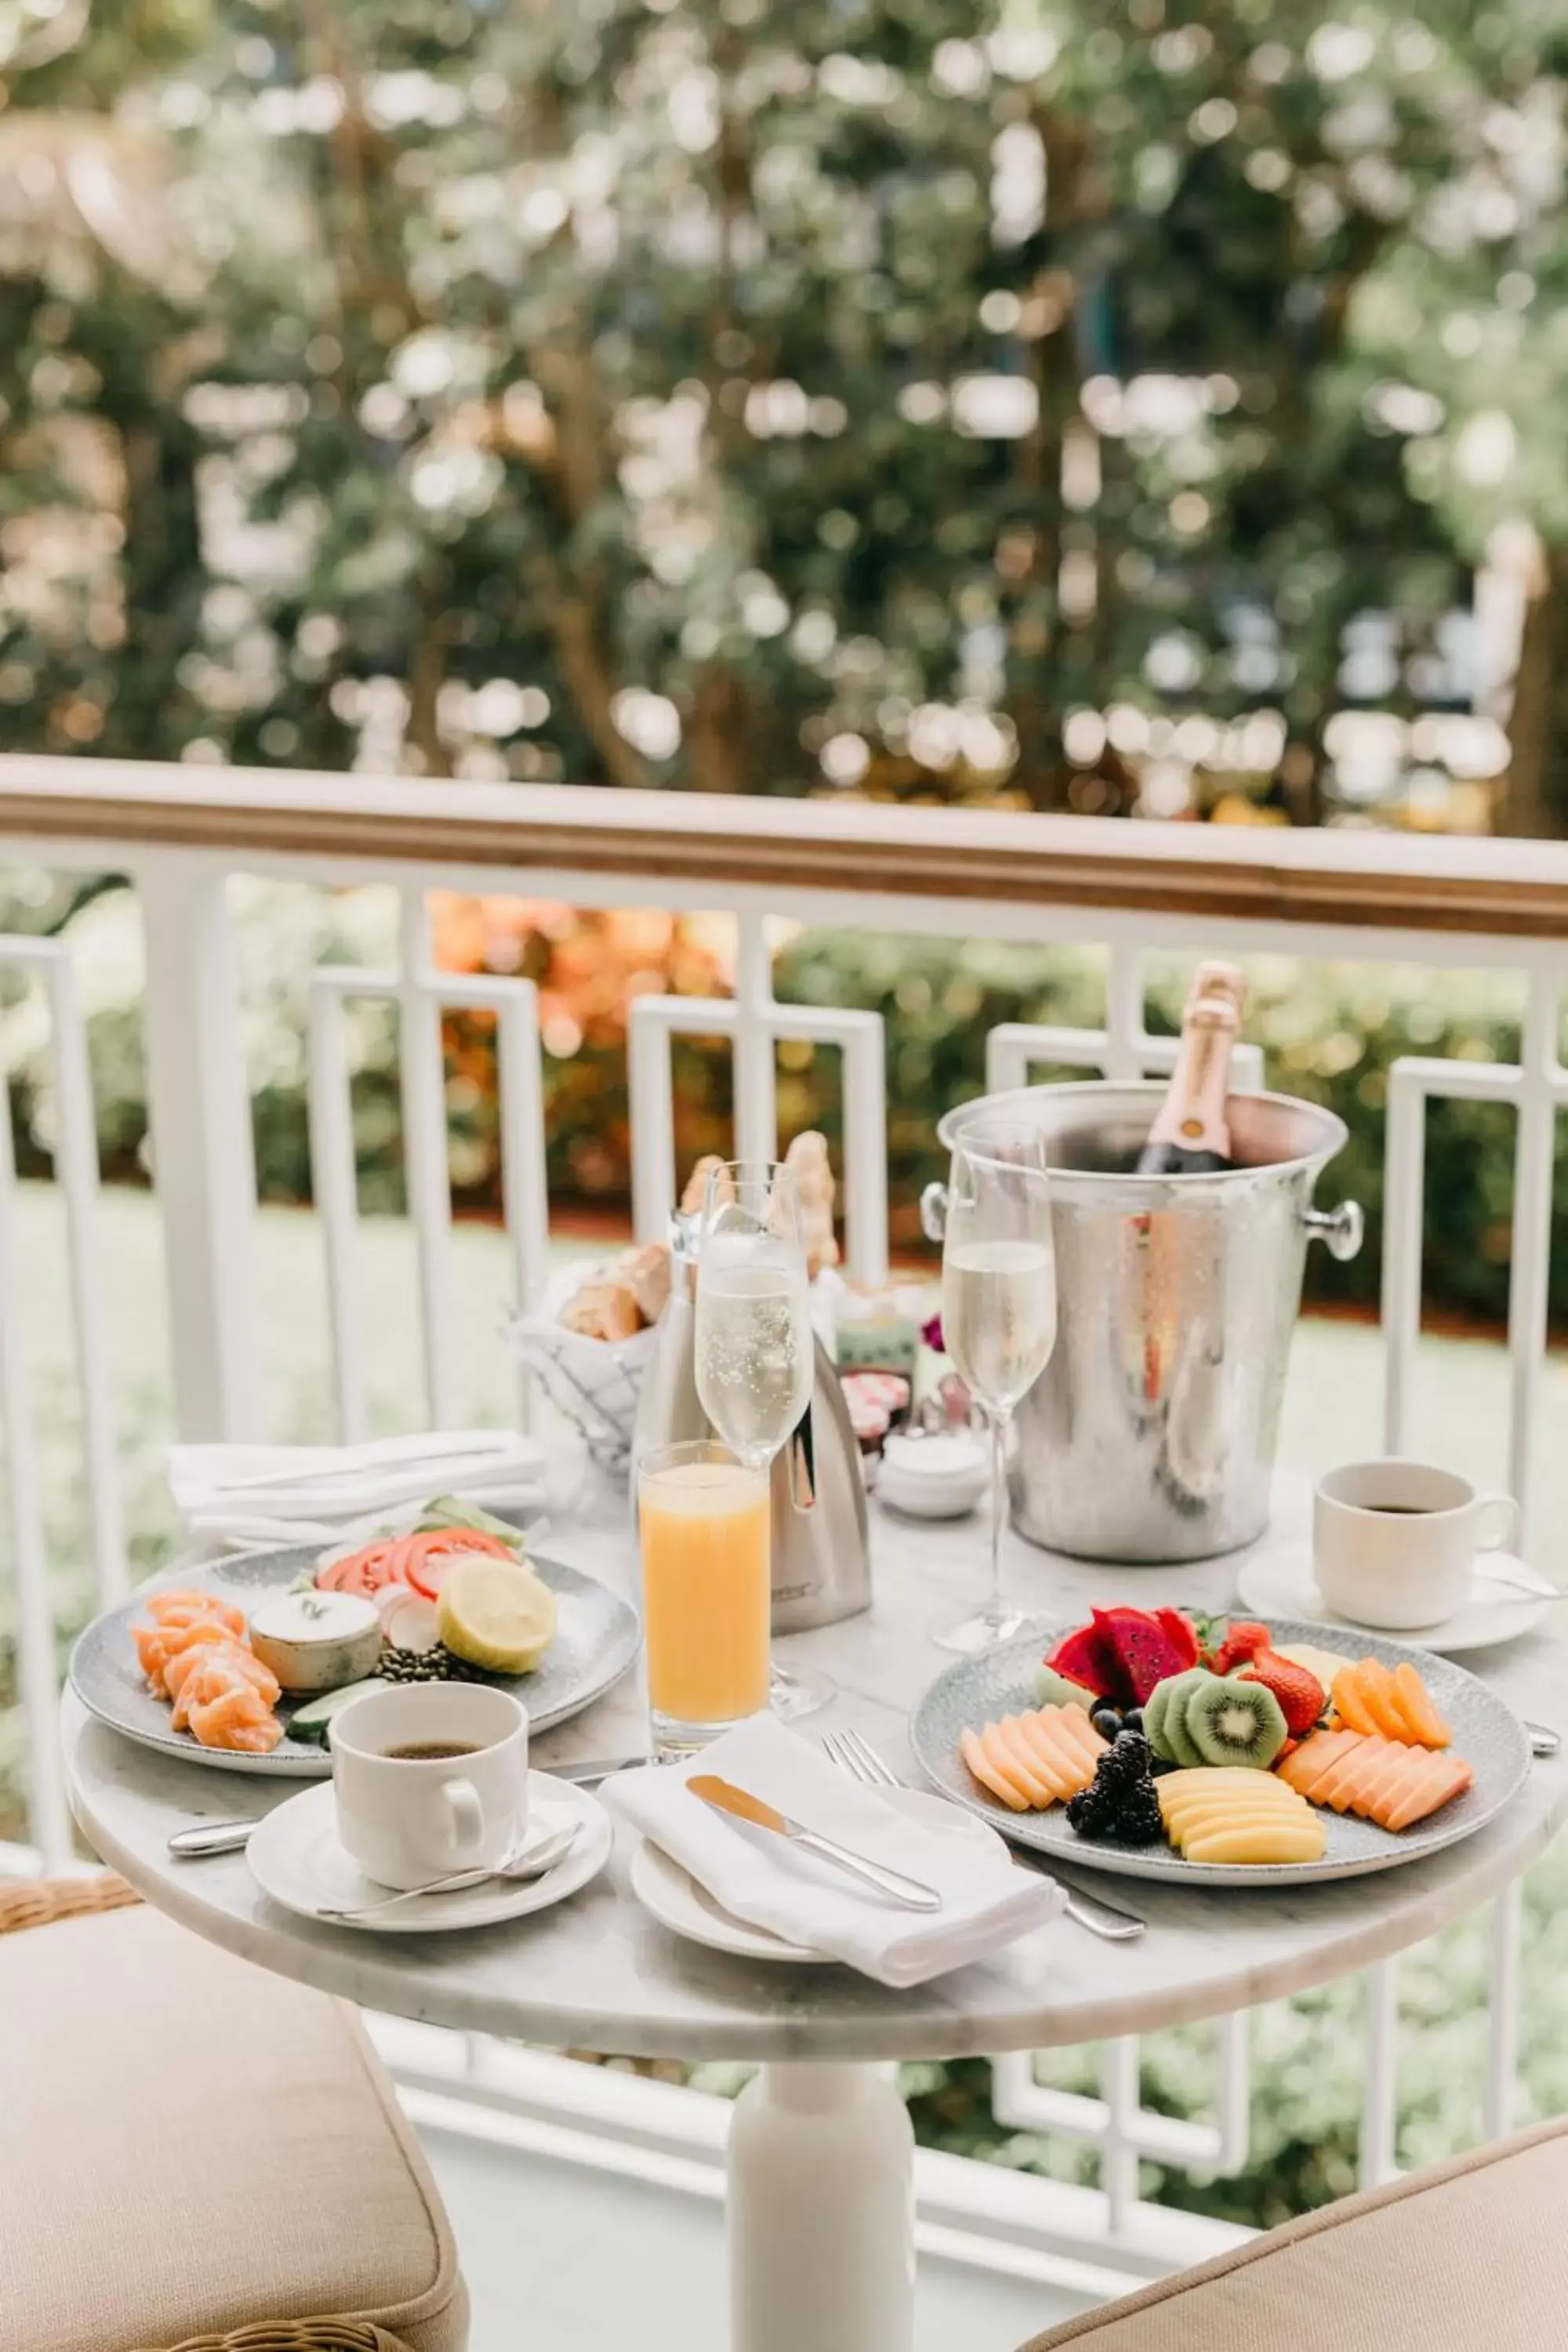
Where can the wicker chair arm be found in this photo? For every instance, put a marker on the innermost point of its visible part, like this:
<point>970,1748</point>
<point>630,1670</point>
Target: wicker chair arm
<point>299,2335</point>
<point>39,1901</point>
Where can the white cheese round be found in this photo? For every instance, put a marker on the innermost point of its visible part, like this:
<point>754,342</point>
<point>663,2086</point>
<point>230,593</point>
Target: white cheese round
<point>315,1640</point>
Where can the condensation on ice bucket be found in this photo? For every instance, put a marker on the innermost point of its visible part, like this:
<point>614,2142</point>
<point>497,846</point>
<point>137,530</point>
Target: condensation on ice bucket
<point>1151,1435</point>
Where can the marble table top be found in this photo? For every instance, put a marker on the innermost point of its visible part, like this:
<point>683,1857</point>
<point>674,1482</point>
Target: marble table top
<point>597,1973</point>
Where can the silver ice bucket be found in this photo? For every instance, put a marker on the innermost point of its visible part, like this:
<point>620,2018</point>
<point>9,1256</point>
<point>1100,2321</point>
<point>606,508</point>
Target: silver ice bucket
<point>1151,1434</point>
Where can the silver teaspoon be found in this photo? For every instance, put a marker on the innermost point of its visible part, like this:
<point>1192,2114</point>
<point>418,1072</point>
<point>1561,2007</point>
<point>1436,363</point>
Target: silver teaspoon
<point>529,1861</point>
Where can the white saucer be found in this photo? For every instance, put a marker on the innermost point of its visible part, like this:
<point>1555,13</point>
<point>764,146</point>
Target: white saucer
<point>295,1858</point>
<point>680,1904</point>
<point>1281,1585</point>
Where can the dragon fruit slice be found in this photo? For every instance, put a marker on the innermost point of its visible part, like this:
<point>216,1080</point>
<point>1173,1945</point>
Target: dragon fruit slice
<point>1088,1656</point>
<point>1148,1655</point>
<point>1182,1633</point>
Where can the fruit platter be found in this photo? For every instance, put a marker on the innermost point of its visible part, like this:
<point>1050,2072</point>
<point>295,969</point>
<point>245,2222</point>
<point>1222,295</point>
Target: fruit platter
<point>243,1663</point>
<point>1162,1744</point>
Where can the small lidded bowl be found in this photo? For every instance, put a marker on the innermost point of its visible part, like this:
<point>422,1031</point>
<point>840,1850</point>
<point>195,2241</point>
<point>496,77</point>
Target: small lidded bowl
<point>941,1476</point>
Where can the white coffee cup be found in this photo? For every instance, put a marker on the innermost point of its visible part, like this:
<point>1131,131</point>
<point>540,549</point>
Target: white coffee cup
<point>409,1819</point>
<point>1394,1542</point>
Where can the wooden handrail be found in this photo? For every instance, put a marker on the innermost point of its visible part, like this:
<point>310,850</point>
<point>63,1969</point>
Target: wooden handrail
<point>1513,890</point>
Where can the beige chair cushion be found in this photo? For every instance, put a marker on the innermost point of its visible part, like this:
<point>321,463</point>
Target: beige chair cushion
<point>1467,2259</point>
<point>189,2144</point>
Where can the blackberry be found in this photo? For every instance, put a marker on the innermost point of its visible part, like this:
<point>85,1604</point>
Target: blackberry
<point>1119,1804</point>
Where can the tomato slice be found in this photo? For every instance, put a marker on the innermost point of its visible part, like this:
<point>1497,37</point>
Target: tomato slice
<point>418,1561</point>
<point>430,1556</point>
<point>363,1571</point>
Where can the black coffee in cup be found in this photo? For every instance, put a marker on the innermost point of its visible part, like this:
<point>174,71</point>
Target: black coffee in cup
<point>432,1751</point>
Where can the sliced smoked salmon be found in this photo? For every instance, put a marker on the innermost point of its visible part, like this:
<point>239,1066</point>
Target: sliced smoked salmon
<point>238,1717</point>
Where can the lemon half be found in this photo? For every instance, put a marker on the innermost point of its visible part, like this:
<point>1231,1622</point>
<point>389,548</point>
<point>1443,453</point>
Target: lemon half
<point>495,1615</point>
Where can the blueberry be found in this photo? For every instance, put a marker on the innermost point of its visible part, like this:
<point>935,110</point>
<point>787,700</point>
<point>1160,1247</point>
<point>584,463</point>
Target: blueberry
<point>1134,1719</point>
<point>1106,1721</point>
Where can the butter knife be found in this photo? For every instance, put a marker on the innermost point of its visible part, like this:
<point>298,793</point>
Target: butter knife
<point>911,1893</point>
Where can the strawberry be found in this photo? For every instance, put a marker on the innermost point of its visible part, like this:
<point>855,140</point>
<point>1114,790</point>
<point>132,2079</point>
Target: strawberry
<point>1244,1638</point>
<point>1300,1695</point>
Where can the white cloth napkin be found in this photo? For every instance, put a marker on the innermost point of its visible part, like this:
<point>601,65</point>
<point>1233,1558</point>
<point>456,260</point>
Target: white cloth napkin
<point>326,1490</point>
<point>762,1878</point>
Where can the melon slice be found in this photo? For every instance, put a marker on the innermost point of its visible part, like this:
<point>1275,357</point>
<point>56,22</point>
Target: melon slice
<point>1386,1782</point>
<point>1415,1705</point>
<point>1035,1758</point>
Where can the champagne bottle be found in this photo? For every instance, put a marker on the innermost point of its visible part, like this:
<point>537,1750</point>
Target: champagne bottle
<point>1190,1136</point>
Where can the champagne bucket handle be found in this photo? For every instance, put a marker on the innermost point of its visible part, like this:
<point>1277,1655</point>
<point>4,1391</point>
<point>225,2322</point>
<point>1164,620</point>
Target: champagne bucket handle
<point>933,1212</point>
<point>1342,1230</point>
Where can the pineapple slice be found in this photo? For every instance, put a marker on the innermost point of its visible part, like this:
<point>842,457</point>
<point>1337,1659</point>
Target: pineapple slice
<point>1237,1816</point>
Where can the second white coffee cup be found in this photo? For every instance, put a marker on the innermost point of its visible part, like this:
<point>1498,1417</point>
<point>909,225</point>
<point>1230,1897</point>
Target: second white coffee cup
<point>430,1779</point>
<point>1394,1542</point>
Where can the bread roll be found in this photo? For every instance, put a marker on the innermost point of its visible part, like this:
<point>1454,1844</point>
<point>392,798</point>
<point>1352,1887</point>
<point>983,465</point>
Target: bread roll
<point>808,1162</point>
<point>647,1271</point>
<point>696,1193</point>
<point>607,1309</point>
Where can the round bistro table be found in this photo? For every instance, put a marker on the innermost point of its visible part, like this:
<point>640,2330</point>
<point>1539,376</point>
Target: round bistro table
<point>821,2199</point>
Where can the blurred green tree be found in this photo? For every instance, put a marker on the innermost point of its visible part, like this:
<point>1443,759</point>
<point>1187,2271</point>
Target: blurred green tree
<point>872,396</point>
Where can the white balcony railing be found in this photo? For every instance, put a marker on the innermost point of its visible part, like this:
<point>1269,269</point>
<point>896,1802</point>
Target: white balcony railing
<point>181,834</point>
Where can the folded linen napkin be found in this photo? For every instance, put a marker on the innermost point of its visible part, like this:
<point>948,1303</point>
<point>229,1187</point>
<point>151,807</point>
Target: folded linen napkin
<point>314,1491</point>
<point>986,1902</point>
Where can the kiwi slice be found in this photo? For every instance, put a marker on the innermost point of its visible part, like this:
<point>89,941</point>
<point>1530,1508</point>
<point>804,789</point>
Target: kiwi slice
<point>1169,1739</point>
<point>1154,1707</point>
<point>1236,1722</point>
<point>1052,1690</point>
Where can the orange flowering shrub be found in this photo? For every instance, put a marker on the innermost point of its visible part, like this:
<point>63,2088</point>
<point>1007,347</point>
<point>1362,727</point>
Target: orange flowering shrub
<point>588,965</point>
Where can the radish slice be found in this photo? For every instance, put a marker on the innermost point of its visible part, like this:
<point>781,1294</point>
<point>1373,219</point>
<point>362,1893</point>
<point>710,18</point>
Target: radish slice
<point>412,1624</point>
<point>389,1600</point>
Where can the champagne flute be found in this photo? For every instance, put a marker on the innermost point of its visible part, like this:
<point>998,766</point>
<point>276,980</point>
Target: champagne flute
<point>998,1314</point>
<point>756,1355</point>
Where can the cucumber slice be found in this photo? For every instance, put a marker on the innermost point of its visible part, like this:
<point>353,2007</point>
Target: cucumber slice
<point>315,1721</point>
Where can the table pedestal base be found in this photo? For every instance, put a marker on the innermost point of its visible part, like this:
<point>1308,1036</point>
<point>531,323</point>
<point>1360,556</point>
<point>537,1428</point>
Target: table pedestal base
<point>821,2251</point>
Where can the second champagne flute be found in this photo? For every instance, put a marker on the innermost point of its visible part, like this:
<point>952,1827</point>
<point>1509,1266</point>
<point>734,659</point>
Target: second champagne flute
<point>998,1314</point>
<point>756,1354</point>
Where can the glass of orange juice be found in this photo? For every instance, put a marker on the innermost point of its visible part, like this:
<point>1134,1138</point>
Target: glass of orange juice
<point>703,1517</point>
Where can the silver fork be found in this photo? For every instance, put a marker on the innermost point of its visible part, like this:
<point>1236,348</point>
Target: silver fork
<point>856,1755</point>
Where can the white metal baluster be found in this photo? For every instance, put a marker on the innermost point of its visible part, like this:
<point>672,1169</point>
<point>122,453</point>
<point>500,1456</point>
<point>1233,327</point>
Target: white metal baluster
<point>1119,2150</point>
<point>756,1079</point>
<point>524,1188</point>
<point>204,1154</point>
<point>519,1090</point>
<point>76,1169</point>
<point>650,1101</point>
<point>48,1814</point>
<point>334,1183</point>
<point>1233,2092</point>
<point>1124,1037</point>
<point>1502,2013</point>
<point>865,1148</point>
<point>1380,2105</point>
<point>425,1158</point>
<point>1404,1178</point>
<point>1535,1139</point>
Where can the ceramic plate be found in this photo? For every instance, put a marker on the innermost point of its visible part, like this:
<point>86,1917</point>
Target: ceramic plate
<point>595,1642</point>
<point>295,1858</point>
<point>1280,1584</point>
<point>1487,1734</point>
<point>686,1908</point>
